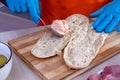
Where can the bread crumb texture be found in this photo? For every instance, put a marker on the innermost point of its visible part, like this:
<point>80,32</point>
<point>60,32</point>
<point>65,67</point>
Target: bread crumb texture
<point>78,47</point>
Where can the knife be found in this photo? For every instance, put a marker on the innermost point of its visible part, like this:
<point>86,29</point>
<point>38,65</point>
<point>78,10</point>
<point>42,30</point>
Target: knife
<point>50,29</point>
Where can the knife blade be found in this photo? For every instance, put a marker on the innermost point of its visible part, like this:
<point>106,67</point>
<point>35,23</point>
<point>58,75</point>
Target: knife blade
<point>50,29</point>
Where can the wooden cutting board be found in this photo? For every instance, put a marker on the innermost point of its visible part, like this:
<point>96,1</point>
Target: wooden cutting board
<point>54,68</point>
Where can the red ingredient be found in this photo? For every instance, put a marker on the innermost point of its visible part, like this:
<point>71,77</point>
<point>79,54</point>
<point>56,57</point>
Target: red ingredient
<point>60,26</point>
<point>109,73</point>
<point>94,77</point>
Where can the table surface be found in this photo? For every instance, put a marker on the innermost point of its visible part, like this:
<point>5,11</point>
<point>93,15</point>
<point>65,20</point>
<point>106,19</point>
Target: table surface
<point>10,22</point>
<point>20,71</point>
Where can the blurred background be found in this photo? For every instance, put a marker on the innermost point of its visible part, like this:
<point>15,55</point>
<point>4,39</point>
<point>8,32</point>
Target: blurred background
<point>14,21</point>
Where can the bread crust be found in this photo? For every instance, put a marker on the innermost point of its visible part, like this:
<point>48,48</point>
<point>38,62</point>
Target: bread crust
<point>80,45</point>
<point>84,44</point>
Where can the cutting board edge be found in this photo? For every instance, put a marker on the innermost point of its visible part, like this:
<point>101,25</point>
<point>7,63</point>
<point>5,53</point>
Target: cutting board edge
<point>71,76</point>
<point>26,62</point>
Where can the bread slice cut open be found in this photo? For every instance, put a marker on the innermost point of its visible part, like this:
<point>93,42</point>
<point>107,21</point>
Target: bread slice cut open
<point>80,52</point>
<point>78,47</point>
<point>84,43</point>
<point>49,45</point>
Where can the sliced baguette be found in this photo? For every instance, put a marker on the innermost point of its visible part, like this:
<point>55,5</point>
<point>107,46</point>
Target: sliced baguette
<point>75,23</point>
<point>80,51</point>
<point>84,43</point>
<point>49,45</point>
<point>46,46</point>
<point>80,45</point>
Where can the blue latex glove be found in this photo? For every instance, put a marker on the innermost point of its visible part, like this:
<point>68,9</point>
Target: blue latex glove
<point>108,17</point>
<point>25,5</point>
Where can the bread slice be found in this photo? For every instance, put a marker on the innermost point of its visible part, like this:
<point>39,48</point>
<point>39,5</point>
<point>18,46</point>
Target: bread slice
<point>77,20</point>
<point>49,45</point>
<point>78,47</point>
<point>46,46</point>
<point>75,23</point>
<point>83,48</point>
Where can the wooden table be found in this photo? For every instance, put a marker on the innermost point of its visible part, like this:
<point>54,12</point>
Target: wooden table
<point>20,71</point>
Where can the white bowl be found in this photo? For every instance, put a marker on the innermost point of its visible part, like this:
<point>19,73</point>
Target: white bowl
<point>5,70</point>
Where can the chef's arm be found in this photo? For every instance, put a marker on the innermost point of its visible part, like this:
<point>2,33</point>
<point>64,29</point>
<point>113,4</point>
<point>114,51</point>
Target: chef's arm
<point>107,18</point>
<point>31,6</point>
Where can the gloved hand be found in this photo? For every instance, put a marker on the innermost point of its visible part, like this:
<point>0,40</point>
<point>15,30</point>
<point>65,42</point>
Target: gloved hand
<point>25,5</point>
<point>108,17</point>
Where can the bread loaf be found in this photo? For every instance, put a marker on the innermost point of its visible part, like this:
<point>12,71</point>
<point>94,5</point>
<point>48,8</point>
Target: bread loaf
<point>84,44</point>
<point>49,45</point>
<point>78,47</point>
<point>80,52</point>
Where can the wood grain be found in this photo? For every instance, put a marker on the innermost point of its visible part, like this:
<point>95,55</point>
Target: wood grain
<point>54,68</point>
